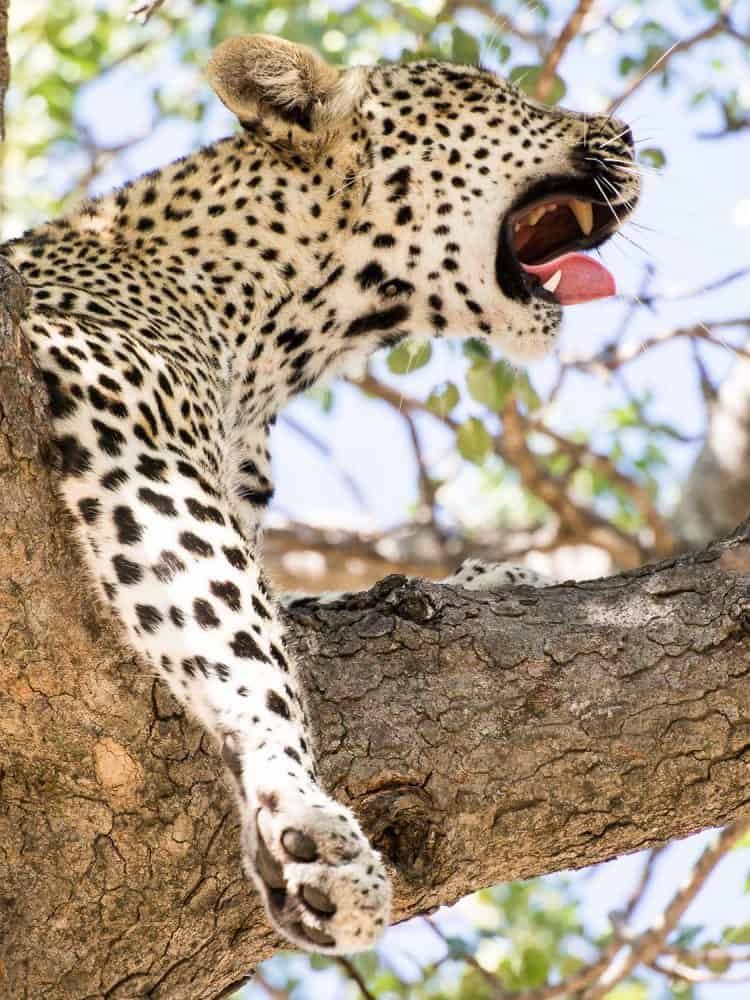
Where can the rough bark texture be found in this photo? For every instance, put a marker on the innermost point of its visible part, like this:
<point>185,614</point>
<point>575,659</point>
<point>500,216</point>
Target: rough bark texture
<point>481,738</point>
<point>4,63</point>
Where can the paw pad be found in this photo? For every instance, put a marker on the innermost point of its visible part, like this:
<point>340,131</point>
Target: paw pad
<point>299,845</point>
<point>324,887</point>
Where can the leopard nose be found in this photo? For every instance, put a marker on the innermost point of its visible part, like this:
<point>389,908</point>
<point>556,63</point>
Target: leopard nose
<point>627,136</point>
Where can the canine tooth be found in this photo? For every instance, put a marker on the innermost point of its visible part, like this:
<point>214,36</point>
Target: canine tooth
<point>551,284</point>
<point>584,214</point>
<point>533,217</point>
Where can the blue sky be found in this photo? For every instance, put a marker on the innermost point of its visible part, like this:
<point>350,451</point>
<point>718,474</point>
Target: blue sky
<point>698,217</point>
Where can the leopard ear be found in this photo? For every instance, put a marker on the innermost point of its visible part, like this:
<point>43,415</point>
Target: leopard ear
<point>271,83</point>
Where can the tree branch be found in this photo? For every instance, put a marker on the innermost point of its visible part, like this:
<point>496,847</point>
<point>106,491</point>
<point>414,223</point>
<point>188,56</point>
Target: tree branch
<point>720,26</point>
<point>143,11</point>
<point>481,738</point>
<point>645,948</point>
<point>569,31</point>
<point>501,23</point>
<point>301,556</point>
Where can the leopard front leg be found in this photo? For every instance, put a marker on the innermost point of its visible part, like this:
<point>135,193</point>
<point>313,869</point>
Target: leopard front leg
<point>168,556</point>
<point>323,885</point>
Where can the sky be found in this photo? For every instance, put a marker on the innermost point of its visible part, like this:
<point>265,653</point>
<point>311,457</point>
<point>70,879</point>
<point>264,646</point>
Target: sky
<point>693,224</point>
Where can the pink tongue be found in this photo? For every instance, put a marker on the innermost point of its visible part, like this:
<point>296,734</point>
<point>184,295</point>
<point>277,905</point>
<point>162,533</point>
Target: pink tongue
<point>582,278</point>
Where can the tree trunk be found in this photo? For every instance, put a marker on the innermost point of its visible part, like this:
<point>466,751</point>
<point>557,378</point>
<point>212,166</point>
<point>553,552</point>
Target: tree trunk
<point>4,63</point>
<point>480,737</point>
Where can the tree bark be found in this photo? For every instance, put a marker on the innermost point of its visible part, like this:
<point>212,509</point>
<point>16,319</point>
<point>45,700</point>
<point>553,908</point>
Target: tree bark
<point>4,64</point>
<point>481,738</point>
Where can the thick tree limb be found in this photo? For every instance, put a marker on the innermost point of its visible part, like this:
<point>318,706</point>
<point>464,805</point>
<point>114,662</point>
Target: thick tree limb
<point>481,737</point>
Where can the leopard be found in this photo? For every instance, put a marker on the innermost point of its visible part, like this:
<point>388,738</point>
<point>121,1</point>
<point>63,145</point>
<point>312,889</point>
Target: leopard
<point>173,318</point>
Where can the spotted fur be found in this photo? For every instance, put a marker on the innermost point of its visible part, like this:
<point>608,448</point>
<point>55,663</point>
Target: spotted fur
<point>172,320</point>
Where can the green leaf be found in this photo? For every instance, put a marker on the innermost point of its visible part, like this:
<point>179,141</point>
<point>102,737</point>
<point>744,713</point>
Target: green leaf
<point>414,19</point>
<point>441,402</point>
<point>526,79</point>
<point>534,967</point>
<point>737,935</point>
<point>475,349</point>
<point>652,156</point>
<point>626,416</point>
<point>700,96</point>
<point>319,962</point>
<point>464,47</point>
<point>323,395</point>
<point>497,45</point>
<point>527,393</point>
<point>387,982</point>
<point>681,991</point>
<point>628,991</point>
<point>687,935</point>
<point>490,384</point>
<point>569,965</point>
<point>473,441</point>
<point>409,356</point>
<point>366,964</point>
<point>458,948</point>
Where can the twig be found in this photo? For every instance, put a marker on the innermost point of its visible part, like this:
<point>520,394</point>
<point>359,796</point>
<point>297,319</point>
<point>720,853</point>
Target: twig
<point>645,948</point>
<point>353,972</point>
<point>708,956</point>
<point>641,887</point>
<point>500,21</point>
<point>273,991</point>
<point>495,986</point>
<point>99,157</point>
<point>611,357</point>
<point>570,987</point>
<point>675,969</point>
<point>718,27</point>
<point>325,450</point>
<point>427,489</point>
<point>584,523</point>
<point>664,542</point>
<point>710,286</point>
<point>512,446</point>
<point>145,10</point>
<point>569,31</point>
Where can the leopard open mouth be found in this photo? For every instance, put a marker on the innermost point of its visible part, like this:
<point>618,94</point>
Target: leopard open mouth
<point>541,236</point>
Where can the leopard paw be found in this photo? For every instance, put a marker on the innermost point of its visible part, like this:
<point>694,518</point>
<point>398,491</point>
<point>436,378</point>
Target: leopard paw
<point>324,887</point>
<point>473,574</point>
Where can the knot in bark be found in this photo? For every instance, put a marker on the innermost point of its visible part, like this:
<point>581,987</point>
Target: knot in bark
<point>410,603</point>
<point>402,823</point>
<point>743,619</point>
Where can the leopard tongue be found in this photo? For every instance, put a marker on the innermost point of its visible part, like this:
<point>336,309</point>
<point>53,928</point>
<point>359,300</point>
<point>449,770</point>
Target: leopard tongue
<point>581,279</point>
